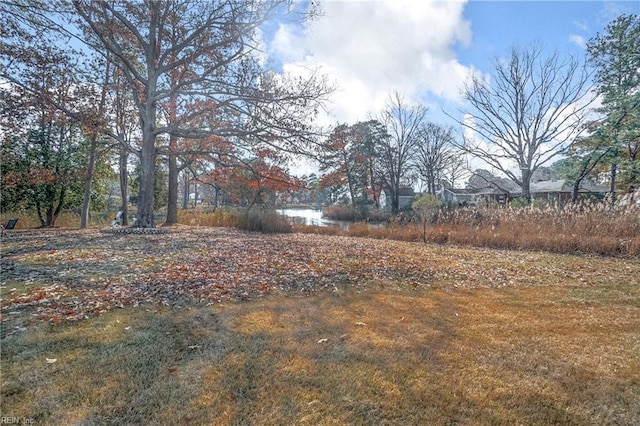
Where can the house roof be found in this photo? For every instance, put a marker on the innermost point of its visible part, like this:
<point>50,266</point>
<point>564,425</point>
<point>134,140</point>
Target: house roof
<point>490,191</point>
<point>562,185</point>
<point>461,191</point>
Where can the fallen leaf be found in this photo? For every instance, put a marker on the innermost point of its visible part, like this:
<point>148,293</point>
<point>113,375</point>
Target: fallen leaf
<point>361,324</point>
<point>323,340</point>
<point>51,360</point>
<point>194,346</point>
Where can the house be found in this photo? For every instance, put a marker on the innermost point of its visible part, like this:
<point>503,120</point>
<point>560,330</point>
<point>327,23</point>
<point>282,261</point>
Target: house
<point>490,195</point>
<point>405,198</point>
<point>559,191</point>
<point>457,196</point>
<point>473,196</point>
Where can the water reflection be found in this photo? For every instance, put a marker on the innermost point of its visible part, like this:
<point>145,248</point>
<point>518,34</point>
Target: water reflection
<point>312,217</point>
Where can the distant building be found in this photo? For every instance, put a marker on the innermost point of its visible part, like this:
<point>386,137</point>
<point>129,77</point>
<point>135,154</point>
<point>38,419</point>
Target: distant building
<point>405,198</point>
<point>492,195</point>
<point>551,191</point>
<point>559,191</point>
<point>457,196</point>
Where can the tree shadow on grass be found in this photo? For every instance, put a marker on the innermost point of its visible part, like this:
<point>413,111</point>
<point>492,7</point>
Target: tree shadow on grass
<point>388,358</point>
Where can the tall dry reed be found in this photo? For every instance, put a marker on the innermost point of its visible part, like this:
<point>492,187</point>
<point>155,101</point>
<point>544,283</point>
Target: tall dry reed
<point>581,228</point>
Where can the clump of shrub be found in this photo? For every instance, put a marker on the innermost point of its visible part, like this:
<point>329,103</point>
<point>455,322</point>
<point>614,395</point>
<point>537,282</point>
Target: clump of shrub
<point>265,221</point>
<point>426,208</point>
<point>268,222</point>
<point>340,212</point>
<point>348,213</point>
<point>221,217</point>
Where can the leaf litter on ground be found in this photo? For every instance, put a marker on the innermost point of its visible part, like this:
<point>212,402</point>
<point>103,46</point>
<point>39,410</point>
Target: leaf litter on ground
<point>75,274</point>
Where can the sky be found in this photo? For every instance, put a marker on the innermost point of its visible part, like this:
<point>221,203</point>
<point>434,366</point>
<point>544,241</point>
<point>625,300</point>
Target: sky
<point>426,49</point>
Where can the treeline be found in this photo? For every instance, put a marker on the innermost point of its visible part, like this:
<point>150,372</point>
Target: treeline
<point>173,85</point>
<point>537,115</point>
<point>151,100</point>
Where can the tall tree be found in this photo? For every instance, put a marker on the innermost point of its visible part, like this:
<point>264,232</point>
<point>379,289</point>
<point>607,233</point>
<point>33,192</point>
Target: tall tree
<point>347,158</point>
<point>214,45</point>
<point>372,134</point>
<point>531,110</point>
<point>456,167</point>
<point>434,152</point>
<point>403,123</point>
<point>93,128</point>
<point>46,143</point>
<point>616,57</point>
<point>255,181</point>
<point>582,159</point>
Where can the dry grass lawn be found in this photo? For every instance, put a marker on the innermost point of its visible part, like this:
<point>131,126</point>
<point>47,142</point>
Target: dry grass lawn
<point>218,326</point>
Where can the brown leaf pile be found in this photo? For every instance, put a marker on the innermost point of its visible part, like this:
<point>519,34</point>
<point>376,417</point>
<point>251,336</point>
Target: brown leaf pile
<point>73,274</point>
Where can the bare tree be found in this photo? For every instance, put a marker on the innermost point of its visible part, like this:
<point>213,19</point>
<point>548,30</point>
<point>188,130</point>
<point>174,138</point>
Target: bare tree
<point>404,125</point>
<point>456,167</point>
<point>530,110</point>
<point>433,154</point>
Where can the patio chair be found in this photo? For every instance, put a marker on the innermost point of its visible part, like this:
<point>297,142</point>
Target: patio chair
<point>10,225</point>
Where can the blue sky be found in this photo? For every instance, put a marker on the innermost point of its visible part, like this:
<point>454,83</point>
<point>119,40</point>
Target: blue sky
<point>563,25</point>
<point>426,49</point>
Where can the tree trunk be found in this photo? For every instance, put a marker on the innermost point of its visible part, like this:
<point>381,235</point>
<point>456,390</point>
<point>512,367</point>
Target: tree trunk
<point>58,208</point>
<point>50,218</point>
<point>395,201</point>
<point>147,178</point>
<point>86,201</point>
<point>172,202</point>
<point>124,187</point>
<point>574,191</point>
<point>612,187</point>
<point>185,195</point>
<point>195,193</point>
<point>526,184</point>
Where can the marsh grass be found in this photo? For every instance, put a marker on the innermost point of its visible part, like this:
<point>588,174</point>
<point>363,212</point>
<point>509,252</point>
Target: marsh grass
<point>587,228</point>
<point>257,221</point>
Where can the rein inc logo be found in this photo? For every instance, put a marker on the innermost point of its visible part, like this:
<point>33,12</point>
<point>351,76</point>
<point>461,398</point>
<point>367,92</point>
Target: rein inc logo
<point>16,421</point>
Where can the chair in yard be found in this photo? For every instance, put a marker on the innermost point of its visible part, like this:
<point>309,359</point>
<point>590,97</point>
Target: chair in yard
<point>10,225</point>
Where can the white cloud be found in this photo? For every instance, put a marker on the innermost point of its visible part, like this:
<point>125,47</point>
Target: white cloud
<point>582,25</point>
<point>373,48</point>
<point>578,40</point>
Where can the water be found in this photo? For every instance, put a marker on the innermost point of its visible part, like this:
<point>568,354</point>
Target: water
<point>311,217</point>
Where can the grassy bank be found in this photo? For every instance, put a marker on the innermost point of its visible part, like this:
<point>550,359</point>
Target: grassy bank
<point>218,326</point>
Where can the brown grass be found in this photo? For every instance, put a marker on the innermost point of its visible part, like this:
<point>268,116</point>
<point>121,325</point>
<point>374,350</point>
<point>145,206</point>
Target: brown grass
<point>27,219</point>
<point>593,229</point>
<point>426,335</point>
<point>257,221</point>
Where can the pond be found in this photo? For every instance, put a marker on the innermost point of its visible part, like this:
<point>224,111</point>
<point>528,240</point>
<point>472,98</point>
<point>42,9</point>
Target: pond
<point>311,217</point>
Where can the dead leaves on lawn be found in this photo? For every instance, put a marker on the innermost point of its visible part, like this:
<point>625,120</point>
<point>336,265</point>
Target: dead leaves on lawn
<point>73,275</point>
